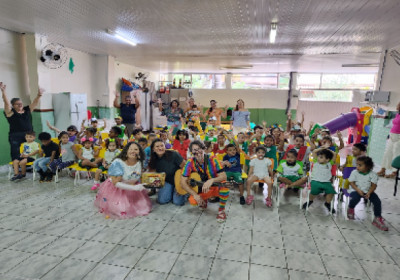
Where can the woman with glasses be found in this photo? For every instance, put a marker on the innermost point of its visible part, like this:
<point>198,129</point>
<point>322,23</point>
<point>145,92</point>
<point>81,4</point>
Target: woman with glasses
<point>20,119</point>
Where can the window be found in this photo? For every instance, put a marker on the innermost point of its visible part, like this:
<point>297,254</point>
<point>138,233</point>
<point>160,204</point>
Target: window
<point>219,81</point>
<point>202,81</point>
<point>254,81</point>
<point>326,95</point>
<point>336,81</point>
<point>284,80</point>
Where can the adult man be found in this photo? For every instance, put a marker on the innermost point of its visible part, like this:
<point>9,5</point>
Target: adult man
<point>211,172</point>
<point>128,111</point>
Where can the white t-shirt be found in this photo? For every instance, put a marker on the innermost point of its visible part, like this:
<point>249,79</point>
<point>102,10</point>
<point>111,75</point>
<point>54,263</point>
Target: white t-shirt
<point>109,156</point>
<point>261,167</point>
<point>321,172</point>
<point>88,154</point>
<point>363,181</point>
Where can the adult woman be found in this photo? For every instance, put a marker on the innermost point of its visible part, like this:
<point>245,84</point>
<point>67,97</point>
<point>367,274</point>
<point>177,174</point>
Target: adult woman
<point>162,160</point>
<point>240,120</point>
<point>392,147</point>
<point>213,111</point>
<point>174,114</point>
<point>19,118</point>
<point>115,199</point>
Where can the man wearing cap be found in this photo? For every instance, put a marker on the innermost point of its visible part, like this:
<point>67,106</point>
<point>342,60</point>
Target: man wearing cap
<point>128,111</point>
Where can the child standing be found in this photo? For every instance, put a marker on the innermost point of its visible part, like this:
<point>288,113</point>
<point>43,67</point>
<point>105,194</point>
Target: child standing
<point>31,149</point>
<point>363,182</point>
<point>51,151</point>
<point>260,169</point>
<point>271,149</point>
<point>111,152</point>
<point>291,172</point>
<point>87,155</point>
<point>231,162</point>
<point>321,176</point>
<point>118,122</point>
<point>68,153</point>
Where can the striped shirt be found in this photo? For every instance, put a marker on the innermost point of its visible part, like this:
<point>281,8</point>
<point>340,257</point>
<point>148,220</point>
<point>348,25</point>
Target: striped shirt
<point>213,167</point>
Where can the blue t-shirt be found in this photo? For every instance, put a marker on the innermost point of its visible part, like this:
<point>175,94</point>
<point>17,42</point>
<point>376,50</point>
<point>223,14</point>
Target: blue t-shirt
<point>235,163</point>
<point>128,113</point>
<point>147,153</point>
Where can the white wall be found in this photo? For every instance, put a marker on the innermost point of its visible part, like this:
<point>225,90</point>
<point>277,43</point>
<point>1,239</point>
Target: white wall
<point>276,99</point>
<point>391,81</point>
<point>12,66</point>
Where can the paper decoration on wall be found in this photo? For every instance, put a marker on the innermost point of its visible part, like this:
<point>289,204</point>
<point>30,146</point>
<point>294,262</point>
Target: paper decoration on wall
<point>71,65</point>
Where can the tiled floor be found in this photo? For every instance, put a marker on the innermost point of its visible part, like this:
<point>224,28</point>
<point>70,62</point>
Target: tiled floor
<point>52,231</point>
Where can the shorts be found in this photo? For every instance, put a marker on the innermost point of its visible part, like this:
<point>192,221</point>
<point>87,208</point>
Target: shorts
<point>237,176</point>
<point>322,187</point>
<point>29,159</point>
<point>261,176</point>
<point>102,168</point>
<point>80,162</point>
<point>292,178</point>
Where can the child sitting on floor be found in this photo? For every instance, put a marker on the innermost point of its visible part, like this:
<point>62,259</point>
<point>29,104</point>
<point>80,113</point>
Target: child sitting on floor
<point>321,176</point>
<point>30,150</point>
<point>363,182</point>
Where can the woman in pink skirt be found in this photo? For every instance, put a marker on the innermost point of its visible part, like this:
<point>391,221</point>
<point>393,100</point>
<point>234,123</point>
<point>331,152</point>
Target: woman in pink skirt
<point>121,196</point>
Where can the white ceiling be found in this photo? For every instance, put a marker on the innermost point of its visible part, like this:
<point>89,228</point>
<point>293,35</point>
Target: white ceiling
<point>201,36</point>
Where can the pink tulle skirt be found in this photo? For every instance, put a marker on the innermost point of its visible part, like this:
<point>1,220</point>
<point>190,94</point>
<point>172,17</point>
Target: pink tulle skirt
<point>121,204</point>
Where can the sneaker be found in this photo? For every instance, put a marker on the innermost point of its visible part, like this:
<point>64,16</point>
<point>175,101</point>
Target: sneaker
<point>305,204</point>
<point>95,186</point>
<point>249,199</point>
<point>350,213</point>
<point>204,206</point>
<point>328,206</point>
<point>15,177</point>
<point>268,202</point>
<point>242,200</point>
<point>221,217</point>
<point>379,223</point>
<point>282,185</point>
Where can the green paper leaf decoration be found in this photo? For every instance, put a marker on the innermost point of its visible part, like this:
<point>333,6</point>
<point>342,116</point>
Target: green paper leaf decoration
<point>71,65</point>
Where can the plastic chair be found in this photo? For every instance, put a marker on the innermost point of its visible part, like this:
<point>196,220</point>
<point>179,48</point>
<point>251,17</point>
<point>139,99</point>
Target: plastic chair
<point>79,169</point>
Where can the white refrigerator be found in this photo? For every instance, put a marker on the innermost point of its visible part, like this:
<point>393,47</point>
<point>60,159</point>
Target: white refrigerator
<point>69,108</point>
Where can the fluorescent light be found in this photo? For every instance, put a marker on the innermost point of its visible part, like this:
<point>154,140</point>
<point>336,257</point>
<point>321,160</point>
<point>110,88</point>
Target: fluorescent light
<point>121,37</point>
<point>361,65</point>
<point>272,33</point>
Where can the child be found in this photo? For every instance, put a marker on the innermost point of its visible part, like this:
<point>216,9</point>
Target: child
<point>51,151</point>
<point>143,143</point>
<point>290,172</point>
<point>68,153</point>
<point>363,182</point>
<point>164,138</point>
<point>219,147</point>
<point>72,132</point>
<point>116,202</point>
<point>231,162</point>
<point>111,152</point>
<point>136,134</point>
<point>321,176</point>
<point>113,134</point>
<point>87,155</point>
<point>118,122</point>
<point>89,134</point>
<point>94,123</point>
<point>209,147</point>
<point>242,143</point>
<point>181,143</point>
<point>357,150</point>
<point>211,136</point>
<point>257,139</point>
<point>31,149</point>
<point>303,152</point>
<point>271,149</point>
<point>260,169</point>
<point>147,148</point>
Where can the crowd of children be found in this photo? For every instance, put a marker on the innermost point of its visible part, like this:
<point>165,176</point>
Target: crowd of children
<point>261,155</point>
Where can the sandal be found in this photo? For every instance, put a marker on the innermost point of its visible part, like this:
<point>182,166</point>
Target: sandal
<point>391,176</point>
<point>381,173</point>
<point>249,199</point>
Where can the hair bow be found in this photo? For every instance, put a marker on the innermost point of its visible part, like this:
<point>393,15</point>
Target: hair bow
<point>111,140</point>
<point>83,139</point>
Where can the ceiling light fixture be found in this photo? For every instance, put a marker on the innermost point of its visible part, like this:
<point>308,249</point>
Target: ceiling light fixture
<point>361,65</point>
<point>121,37</point>
<point>235,67</point>
<point>272,33</point>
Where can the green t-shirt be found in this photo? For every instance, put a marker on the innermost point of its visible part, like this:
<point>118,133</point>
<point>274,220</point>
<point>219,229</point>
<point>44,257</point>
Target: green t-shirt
<point>122,127</point>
